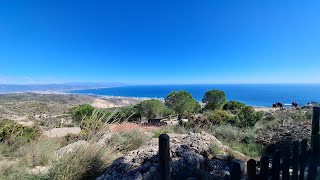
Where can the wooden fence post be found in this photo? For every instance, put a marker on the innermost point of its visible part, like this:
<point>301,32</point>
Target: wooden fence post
<point>285,167</point>
<point>264,168</point>
<point>303,158</point>
<point>315,142</point>
<point>164,157</point>
<point>276,165</point>
<point>295,160</point>
<point>236,173</point>
<point>252,169</point>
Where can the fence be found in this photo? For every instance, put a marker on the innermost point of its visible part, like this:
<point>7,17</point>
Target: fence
<point>281,165</point>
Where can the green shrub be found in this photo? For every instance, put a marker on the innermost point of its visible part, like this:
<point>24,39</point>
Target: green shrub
<point>233,106</point>
<point>124,114</point>
<point>150,108</point>
<point>269,117</point>
<point>248,117</point>
<point>309,114</point>
<point>214,149</point>
<point>168,112</point>
<point>81,112</point>
<point>218,116</point>
<point>16,134</point>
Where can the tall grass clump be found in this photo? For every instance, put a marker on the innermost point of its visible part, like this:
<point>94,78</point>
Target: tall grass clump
<point>86,162</point>
<point>231,133</point>
<point>89,160</point>
<point>38,153</point>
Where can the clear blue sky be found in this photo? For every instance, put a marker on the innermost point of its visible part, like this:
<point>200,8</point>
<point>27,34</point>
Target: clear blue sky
<point>160,42</point>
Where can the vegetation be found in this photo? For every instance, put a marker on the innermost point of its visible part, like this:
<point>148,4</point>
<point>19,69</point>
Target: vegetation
<point>81,112</point>
<point>182,102</point>
<point>248,117</point>
<point>150,108</point>
<point>23,148</point>
<point>214,99</point>
<point>233,106</point>
<point>15,134</point>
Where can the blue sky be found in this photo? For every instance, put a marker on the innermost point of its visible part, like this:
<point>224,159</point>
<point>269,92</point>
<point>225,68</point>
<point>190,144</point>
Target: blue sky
<point>160,42</point>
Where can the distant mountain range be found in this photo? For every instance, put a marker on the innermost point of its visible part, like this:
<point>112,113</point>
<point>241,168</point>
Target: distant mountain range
<point>64,87</point>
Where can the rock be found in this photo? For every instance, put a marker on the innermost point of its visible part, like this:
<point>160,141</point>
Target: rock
<point>105,138</point>
<point>188,154</point>
<point>71,148</point>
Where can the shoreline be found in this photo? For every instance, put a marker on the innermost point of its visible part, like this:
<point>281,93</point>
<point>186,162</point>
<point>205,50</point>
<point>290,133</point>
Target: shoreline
<point>109,97</point>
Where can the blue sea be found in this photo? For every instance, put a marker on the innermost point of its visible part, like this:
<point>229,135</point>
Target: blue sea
<point>251,94</point>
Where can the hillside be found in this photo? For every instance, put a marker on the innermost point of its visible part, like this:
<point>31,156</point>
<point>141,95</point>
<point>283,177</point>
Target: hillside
<point>27,108</point>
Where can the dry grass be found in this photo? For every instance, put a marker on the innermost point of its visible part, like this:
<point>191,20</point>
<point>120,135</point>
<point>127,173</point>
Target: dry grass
<point>84,162</point>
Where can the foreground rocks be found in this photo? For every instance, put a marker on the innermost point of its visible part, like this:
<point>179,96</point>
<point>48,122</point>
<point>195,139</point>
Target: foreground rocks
<point>190,159</point>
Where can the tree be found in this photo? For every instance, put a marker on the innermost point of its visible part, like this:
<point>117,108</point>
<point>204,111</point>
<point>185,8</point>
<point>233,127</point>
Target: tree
<point>81,112</point>
<point>150,108</point>
<point>233,106</point>
<point>214,99</point>
<point>181,102</point>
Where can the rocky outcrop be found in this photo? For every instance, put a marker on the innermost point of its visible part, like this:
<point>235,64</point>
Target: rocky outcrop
<point>71,148</point>
<point>190,159</point>
<point>282,137</point>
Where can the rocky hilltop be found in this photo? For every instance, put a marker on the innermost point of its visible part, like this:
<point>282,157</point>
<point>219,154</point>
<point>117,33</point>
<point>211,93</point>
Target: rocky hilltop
<point>191,158</point>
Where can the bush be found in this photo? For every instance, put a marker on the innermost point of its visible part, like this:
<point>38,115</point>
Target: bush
<point>214,149</point>
<point>248,117</point>
<point>123,114</point>
<point>233,106</point>
<point>168,112</point>
<point>150,108</point>
<point>218,116</point>
<point>214,99</point>
<point>16,134</point>
<point>81,112</point>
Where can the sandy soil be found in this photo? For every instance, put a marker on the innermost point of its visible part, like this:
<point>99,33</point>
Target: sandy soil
<point>61,132</point>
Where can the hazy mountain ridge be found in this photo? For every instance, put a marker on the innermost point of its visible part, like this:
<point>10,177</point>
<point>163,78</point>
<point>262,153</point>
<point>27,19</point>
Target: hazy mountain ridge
<point>64,87</point>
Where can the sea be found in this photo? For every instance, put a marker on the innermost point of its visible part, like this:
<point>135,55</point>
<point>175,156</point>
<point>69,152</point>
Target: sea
<point>260,95</point>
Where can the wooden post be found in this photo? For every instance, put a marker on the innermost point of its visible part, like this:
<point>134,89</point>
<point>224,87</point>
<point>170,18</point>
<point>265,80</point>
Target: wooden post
<point>264,168</point>
<point>315,141</point>
<point>285,167</point>
<point>236,173</point>
<point>276,165</point>
<point>252,169</point>
<point>315,144</point>
<point>295,160</point>
<point>303,158</point>
<point>164,157</point>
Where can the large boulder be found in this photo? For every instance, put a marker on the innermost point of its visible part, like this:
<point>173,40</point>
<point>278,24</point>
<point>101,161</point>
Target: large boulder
<point>190,159</point>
